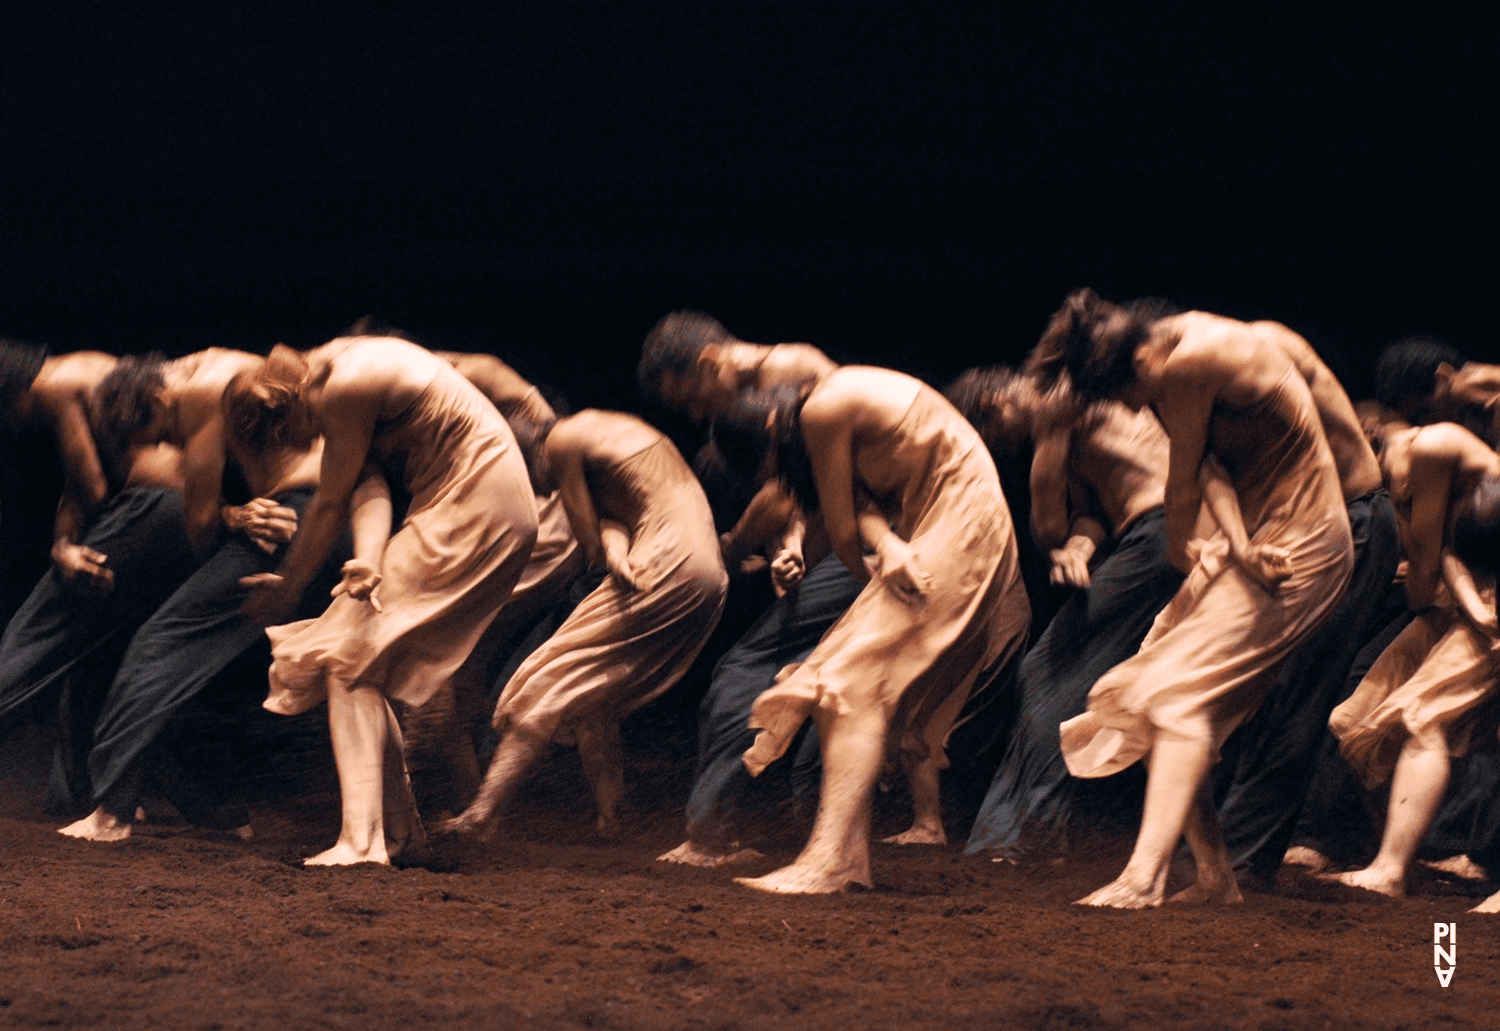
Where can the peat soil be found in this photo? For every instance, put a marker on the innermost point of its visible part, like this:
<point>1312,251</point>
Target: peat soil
<point>552,928</point>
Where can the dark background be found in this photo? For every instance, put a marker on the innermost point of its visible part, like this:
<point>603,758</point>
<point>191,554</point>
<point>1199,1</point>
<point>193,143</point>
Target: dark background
<point>916,185</point>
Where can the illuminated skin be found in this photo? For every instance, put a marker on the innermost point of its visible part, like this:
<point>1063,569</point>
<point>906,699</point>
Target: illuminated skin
<point>727,368</point>
<point>1187,364</point>
<point>846,416</point>
<point>185,445</point>
<point>1469,396</point>
<point>723,371</point>
<point>1359,473</point>
<point>1429,468</point>
<point>352,384</point>
<point>1120,455</point>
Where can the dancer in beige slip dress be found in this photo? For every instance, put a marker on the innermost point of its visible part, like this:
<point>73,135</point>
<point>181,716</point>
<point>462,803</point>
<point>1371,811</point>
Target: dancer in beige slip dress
<point>638,511</point>
<point>943,602</point>
<point>441,577</point>
<point>1214,652</point>
<point>1424,700</point>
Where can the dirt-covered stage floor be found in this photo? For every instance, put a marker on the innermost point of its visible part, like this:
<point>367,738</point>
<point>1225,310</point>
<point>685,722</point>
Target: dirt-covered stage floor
<point>551,929</point>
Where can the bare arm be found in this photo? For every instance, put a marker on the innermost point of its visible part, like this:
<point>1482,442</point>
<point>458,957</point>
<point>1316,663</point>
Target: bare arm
<point>1184,410</point>
<point>1070,563</point>
<point>1267,564</point>
<point>1431,480</point>
<point>1466,595</point>
<point>370,514</point>
<point>348,428</point>
<point>604,542</point>
<point>829,435</point>
<point>768,512</point>
<point>1049,487</point>
<point>506,389</point>
<point>203,458</point>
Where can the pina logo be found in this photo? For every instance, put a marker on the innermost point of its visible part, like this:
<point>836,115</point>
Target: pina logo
<point>1445,933</point>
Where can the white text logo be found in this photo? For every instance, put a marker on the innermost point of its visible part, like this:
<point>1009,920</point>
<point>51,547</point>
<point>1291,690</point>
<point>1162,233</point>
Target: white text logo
<point>1440,955</point>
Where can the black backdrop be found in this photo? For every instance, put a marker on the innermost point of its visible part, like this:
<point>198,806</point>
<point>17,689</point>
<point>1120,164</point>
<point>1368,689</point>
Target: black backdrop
<point>907,184</point>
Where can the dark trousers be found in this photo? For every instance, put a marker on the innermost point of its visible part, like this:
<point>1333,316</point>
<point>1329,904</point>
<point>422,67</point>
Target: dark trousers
<point>1033,801</point>
<point>189,640</point>
<point>724,793</point>
<point>70,644</point>
<point>1263,780</point>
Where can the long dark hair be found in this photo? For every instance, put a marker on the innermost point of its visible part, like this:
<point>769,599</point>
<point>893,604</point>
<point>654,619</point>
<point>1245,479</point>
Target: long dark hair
<point>1098,367</point>
<point>1476,528</point>
<point>762,422</point>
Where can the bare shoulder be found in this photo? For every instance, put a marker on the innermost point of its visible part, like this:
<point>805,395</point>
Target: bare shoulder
<point>74,373</point>
<point>1450,442</point>
<point>794,363</point>
<point>214,368</point>
<point>856,391</point>
<point>1292,343</point>
<point>595,431</point>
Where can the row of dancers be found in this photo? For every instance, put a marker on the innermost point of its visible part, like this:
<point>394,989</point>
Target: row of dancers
<point>1225,524</point>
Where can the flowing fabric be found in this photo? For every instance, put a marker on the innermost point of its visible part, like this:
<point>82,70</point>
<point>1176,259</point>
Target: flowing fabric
<point>1269,763</point>
<point>1033,802</point>
<point>466,539</point>
<point>1214,651</point>
<point>1432,683</point>
<point>788,631</point>
<point>916,664</point>
<point>621,648</point>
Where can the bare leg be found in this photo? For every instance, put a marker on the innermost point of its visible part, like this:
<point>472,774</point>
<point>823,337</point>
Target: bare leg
<point>837,854</point>
<point>604,765</point>
<point>403,824</point>
<point>518,753</point>
<point>927,806</point>
<point>100,825</point>
<point>359,725</point>
<point>924,779</point>
<point>1178,768</point>
<point>1216,882</point>
<point>1416,791</point>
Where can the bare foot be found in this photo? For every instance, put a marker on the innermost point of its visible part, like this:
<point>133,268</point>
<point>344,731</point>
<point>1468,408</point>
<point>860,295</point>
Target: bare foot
<point>804,880</point>
<point>1209,892</point>
<point>1489,905</point>
<point>469,825</point>
<point>919,836</point>
<point>607,827</point>
<point>1310,859</point>
<point>245,833</point>
<point>1121,894</point>
<point>346,855</point>
<point>100,825</point>
<point>689,854</point>
<point>1462,867</point>
<point>1370,879</point>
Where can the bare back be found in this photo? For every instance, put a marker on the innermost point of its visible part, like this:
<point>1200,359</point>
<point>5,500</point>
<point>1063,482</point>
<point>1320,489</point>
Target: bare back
<point>1122,457</point>
<point>1359,473</point>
